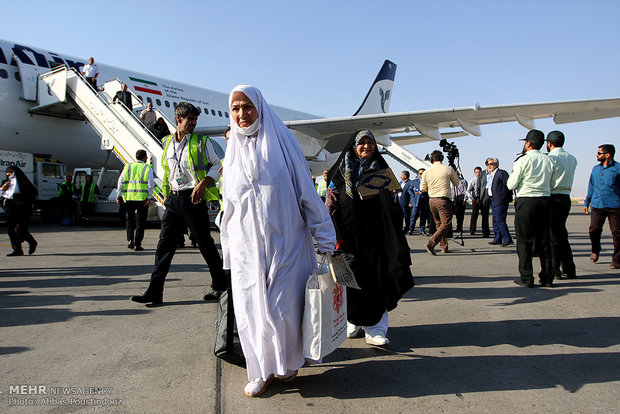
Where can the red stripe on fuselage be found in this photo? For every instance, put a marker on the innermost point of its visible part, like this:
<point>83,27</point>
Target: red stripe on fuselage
<point>147,90</point>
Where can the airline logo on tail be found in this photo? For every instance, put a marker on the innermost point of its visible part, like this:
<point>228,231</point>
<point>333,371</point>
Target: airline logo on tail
<point>377,100</point>
<point>384,97</point>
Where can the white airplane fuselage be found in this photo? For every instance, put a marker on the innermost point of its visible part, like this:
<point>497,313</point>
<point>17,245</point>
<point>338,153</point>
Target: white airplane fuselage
<point>73,141</point>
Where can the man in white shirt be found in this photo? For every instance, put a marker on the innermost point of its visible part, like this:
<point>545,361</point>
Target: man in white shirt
<point>191,168</point>
<point>564,166</point>
<point>90,72</point>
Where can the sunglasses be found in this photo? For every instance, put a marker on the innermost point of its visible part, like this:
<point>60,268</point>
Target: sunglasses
<point>601,153</point>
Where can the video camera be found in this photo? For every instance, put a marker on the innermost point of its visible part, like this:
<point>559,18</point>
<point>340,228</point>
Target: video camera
<point>450,149</point>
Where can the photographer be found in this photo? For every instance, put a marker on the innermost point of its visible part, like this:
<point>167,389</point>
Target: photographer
<point>437,182</point>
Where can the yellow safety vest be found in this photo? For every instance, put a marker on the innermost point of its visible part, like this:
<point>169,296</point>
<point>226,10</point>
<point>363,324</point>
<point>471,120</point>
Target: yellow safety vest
<point>199,165</point>
<point>91,193</point>
<point>136,181</point>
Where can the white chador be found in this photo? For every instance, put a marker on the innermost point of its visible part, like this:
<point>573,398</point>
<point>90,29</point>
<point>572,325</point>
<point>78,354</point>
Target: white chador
<point>271,212</point>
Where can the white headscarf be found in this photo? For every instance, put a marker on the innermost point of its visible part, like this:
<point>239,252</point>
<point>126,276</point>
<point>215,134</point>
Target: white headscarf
<point>267,140</point>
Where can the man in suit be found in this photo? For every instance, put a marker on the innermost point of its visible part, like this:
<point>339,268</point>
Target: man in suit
<point>500,197</point>
<point>406,198</point>
<point>124,96</point>
<point>415,203</point>
<point>483,199</point>
<point>472,192</point>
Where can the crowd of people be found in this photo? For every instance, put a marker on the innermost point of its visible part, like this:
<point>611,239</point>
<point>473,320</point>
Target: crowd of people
<point>274,220</point>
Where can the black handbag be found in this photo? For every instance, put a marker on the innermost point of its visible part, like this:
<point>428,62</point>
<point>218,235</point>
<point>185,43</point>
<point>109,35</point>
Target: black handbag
<point>227,344</point>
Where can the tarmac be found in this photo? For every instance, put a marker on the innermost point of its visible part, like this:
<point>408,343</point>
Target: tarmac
<point>465,339</point>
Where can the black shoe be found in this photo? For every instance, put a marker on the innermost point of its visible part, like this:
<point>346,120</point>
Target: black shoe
<point>571,276</point>
<point>495,242</point>
<point>33,247</point>
<point>486,235</point>
<point>213,295</point>
<point>139,248</point>
<point>521,282</point>
<point>410,232</point>
<point>546,284</point>
<point>146,298</point>
<point>508,243</point>
<point>130,245</point>
<point>16,253</point>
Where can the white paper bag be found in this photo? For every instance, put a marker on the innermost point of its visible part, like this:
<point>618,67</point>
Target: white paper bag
<point>324,324</point>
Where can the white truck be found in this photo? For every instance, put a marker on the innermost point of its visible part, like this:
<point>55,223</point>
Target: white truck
<point>46,175</point>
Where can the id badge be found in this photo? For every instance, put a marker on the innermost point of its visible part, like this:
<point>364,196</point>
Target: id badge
<point>182,180</point>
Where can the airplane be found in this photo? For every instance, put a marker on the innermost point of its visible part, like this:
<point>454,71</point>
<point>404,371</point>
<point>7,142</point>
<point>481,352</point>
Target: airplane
<point>66,136</point>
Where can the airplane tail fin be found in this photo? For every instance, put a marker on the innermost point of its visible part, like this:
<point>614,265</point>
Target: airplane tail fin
<point>378,99</point>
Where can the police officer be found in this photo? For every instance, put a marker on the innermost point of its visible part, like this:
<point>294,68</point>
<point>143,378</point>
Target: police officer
<point>190,166</point>
<point>531,177</point>
<point>135,187</point>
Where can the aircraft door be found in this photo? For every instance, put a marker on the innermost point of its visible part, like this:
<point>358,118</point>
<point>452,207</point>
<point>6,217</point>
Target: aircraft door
<point>29,75</point>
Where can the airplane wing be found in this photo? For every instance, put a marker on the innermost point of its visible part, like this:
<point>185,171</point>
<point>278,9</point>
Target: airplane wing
<point>429,123</point>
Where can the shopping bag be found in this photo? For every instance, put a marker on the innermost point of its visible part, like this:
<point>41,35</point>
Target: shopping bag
<point>324,324</point>
<point>227,344</point>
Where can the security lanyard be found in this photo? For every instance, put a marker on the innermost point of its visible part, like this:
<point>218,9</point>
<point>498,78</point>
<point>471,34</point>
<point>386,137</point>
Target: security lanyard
<point>174,149</point>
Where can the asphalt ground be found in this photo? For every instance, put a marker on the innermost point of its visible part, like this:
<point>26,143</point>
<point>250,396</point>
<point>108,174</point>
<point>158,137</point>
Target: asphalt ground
<point>466,339</point>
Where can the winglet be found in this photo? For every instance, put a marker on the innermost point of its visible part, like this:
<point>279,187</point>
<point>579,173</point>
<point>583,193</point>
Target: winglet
<point>378,98</point>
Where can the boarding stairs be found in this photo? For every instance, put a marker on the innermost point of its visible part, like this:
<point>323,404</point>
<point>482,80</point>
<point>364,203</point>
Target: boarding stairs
<point>404,157</point>
<point>121,131</point>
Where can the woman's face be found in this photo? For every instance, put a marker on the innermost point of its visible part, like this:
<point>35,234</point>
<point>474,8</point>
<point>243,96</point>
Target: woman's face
<point>243,111</point>
<point>365,148</point>
<point>9,173</point>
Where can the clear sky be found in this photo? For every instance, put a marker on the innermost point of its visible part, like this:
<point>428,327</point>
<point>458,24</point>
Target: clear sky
<point>321,56</point>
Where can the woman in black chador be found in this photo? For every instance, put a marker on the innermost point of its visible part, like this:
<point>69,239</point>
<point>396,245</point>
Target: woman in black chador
<point>370,230</point>
<point>19,194</point>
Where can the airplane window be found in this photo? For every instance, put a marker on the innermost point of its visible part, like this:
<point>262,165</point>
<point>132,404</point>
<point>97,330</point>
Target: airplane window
<point>148,99</point>
<point>213,112</point>
<point>226,114</point>
<point>174,104</point>
<point>220,113</point>
<point>167,104</point>
<point>140,97</point>
<point>17,77</point>
<point>158,102</point>
<point>4,74</point>
<point>206,111</point>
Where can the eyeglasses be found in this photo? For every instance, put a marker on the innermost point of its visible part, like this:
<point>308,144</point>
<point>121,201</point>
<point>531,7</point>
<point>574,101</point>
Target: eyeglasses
<point>601,153</point>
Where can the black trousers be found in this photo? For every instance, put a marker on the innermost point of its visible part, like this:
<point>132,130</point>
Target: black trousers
<point>87,209</point>
<point>459,213</point>
<point>135,228</point>
<point>17,222</point>
<point>181,211</point>
<point>532,225</point>
<point>561,252</point>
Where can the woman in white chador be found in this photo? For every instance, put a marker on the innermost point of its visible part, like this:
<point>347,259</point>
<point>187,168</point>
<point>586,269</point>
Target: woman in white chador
<point>271,212</point>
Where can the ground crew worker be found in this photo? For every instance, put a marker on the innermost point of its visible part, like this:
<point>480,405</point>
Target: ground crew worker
<point>190,166</point>
<point>135,187</point>
<point>87,197</point>
<point>65,194</point>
